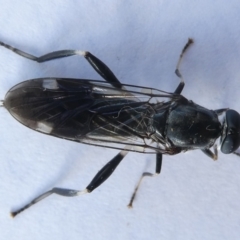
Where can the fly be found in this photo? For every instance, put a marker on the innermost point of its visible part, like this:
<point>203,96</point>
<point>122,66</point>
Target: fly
<point>120,116</point>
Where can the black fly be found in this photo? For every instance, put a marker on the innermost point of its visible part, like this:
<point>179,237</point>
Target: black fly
<point>119,116</point>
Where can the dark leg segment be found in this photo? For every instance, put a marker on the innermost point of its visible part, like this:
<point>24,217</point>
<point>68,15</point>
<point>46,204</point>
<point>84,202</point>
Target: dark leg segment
<point>101,176</point>
<point>158,163</point>
<point>177,71</point>
<point>147,174</point>
<point>100,67</point>
<point>106,171</point>
<point>103,70</point>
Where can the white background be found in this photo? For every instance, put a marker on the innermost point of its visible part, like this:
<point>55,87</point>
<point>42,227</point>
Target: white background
<point>194,197</point>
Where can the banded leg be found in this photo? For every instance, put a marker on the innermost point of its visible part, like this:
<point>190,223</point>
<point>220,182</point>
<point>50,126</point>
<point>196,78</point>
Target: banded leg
<point>101,68</point>
<point>147,174</point>
<point>100,177</point>
<point>177,71</point>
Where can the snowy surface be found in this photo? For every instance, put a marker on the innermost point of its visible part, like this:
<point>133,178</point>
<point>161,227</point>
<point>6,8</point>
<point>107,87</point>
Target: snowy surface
<point>194,197</point>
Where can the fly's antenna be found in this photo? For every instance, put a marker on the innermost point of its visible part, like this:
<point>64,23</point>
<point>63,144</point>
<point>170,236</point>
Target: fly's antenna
<point>1,103</point>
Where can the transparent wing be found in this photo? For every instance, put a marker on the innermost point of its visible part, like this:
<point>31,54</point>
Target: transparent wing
<point>88,111</point>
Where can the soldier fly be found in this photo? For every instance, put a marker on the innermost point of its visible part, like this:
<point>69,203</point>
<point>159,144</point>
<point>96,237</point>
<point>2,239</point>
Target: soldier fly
<point>120,116</point>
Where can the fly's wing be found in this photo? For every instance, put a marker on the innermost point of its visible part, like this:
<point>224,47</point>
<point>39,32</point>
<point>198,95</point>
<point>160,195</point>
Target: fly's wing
<point>88,111</point>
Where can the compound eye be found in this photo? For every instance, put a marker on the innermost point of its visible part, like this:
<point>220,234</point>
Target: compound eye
<point>230,144</point>
<point>231,141</point>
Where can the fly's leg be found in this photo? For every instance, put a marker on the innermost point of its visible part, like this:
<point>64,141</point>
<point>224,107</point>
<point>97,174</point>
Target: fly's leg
<point>101,68</point>
<point>177,71</point>
<point>100,177</point>
<point>147,174</point>
<point>210,154</point>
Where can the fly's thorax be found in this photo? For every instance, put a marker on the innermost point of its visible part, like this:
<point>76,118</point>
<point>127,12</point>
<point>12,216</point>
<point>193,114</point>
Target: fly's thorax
<point>192,126</point>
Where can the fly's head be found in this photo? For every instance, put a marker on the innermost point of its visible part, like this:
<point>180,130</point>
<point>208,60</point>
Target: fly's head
<point>230,139</point>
